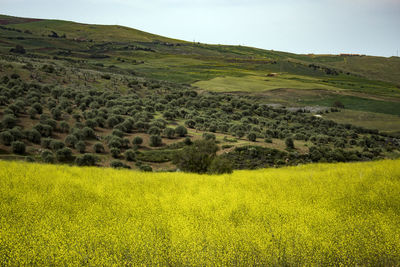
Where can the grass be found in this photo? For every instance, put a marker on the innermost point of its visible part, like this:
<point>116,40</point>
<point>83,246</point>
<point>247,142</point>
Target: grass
<point>260,84</point>
<point>383,122</point>
<point>323,214</point>
<point>358,103</point>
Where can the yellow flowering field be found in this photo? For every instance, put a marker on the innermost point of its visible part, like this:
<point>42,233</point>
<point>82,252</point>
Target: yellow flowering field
<point>321,214</point>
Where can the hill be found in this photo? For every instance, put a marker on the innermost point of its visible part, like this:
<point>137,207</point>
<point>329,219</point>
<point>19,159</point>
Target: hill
<point>69,89</point>
<point>322,214</point>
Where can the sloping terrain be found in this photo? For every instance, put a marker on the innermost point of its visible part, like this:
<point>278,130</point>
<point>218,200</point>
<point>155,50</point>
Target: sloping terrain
<point>83,87</point>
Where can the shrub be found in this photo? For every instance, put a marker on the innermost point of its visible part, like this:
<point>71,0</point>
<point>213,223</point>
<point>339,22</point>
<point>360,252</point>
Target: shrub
<point>289,143</point>
<point>32,113</point>
<point>117,164</point>
<point>130,155</point>
<point>154,130</point>
<point>45,142</point>
<point>252,137</point>
<point>86,160</point>
<point>71,140</point>
<point>155,140</point>
<point>18,147</point>
<point>38,107</point>
<point>197,157</point>
<point>56,145</point>
<point>98,148</point>
<point>115,152</point>
<point>33,136</point>
<point>80,146</point>
<point>8,121</point>
<point>209,136</point>
<point>47,156</point>
<point>220,165</point>
<point>187,141</point>
<point>64,155</point>
<point>169,133</point>
<point>88,133</point>
<point>146,168</point>
<point>181,131</point>
<point>137,140</point>
<point>6,138</point>
<point>64,127</point>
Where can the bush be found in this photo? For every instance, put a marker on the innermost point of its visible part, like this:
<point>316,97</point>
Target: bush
<point>6,138</point>
<point>115,152</point>
<point>8,121</point>
<point>18,147</point>
<point>289,143</point>
<point>45,142</point>
<point>80,146</point>
<point>146,168</point>
<point>209,136</point>
<point>33,136</point>
<point>137,140</point>
<point>47,156</point>
<point>71,140</point>
<point>88,133</point>
<point>64,155</point>
<point>130,155</point>
<point>86,160</point>
<point>169,133</point>
<point>155,140</point>
<point>64,127</point>
<point>252,137</point>
<point>220,165</point>
<point>197,157</point>
<point>98,148</point>
<point>57,145</point>
<point>117,164</point>
<point>181,131</point>
<point>154,130</point>
<point>32,113</point>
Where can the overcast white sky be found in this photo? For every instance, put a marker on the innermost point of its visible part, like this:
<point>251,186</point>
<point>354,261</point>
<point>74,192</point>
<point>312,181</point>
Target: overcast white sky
<point>301,26</point>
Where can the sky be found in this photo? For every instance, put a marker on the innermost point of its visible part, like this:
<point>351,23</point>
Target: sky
<point>369,27</point>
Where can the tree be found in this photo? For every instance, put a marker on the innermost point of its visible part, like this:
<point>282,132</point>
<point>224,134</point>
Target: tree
<point>32,113</point>
<point>33,136</point>
<point>155,140</point>
<point>71,140</point>
<point>252,137</point>
<point>115,152</point>
<point>56,145</point>
<point>220,165</point>
<point>80,146</point>
<point>6,138</point>
<point>137,140</point>
<point>64,155</point>
<point>181,131</point>
<point>169,132</point>
<point>47,156</point>
<point>64,127</point>
<point>154,130</point>
<point>197,157</point>
<point>130,155</point>
<point>98,148</point>
<point>18,147</point>
<point>86,160</point>
<point>289,143</point>
<point>9,121</point>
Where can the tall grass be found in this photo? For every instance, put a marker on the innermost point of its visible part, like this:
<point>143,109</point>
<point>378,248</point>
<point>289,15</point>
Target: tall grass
<point>323,214</point>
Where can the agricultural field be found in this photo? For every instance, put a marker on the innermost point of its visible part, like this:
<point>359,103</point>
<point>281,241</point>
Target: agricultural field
<point>319,214</point>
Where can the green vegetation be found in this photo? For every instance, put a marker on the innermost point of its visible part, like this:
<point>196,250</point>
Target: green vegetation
<point>321,214</point>
<point>132,97</point>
